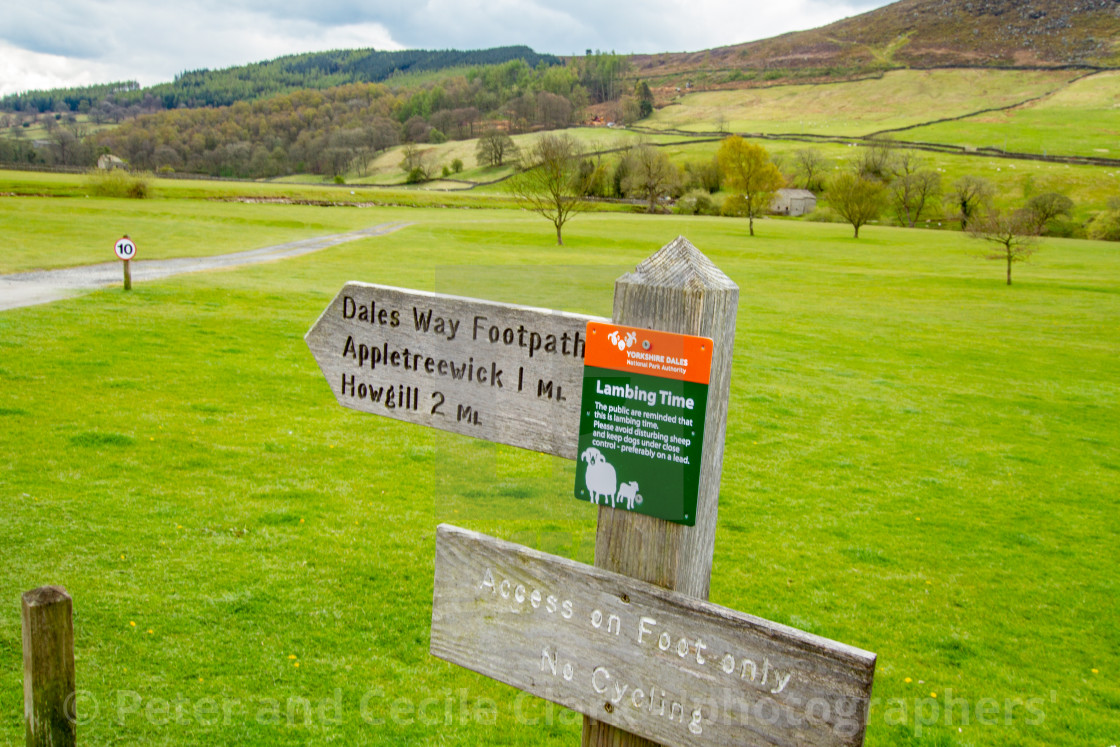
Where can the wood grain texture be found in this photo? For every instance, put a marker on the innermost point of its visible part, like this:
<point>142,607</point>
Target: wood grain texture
<point>48,667</point>
<point>505,373</point>
<point>677,289</point>
<point>651,662</point>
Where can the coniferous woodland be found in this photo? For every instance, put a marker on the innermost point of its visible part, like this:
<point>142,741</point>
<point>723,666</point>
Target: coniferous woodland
<point>324,113</point>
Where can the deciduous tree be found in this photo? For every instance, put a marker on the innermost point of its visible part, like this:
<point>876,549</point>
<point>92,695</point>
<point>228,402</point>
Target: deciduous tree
<point>1010,234</point>
<point>495,147</point>
<point>651,175</point>
<point>1105,225</point>
<point>912,193</point>
<point>551,185</point>
<point>857,198</point>
<point>877,159</point>
<point>747,171</point>
<point>809,167</point>
<point>969,196</point>
<point>1046,207</point>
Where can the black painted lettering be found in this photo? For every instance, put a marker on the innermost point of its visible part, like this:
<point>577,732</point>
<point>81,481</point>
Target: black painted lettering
<point>422,320</point>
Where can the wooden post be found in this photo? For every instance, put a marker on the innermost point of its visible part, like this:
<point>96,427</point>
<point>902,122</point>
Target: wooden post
<point>678,289</point>
<point>48,667</point>
<point>127,275</point>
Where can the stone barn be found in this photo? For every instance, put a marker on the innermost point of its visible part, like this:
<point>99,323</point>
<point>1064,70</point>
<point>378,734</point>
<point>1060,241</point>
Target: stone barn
<point>793,202</point>
<point>108,162</point>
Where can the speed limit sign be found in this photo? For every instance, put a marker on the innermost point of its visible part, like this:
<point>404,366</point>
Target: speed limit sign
<point>125,249</point>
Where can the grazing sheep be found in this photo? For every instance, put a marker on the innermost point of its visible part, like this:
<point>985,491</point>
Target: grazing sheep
<point>600,478</point>
<point>628,492</point>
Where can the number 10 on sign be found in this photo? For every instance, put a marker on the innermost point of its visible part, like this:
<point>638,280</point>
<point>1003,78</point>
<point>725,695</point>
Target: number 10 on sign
<point>126,251</point>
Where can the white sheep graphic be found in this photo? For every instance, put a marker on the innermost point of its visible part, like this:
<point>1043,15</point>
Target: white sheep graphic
<point>620,342</point>
<point>628,492</point>
<point>602,482</point>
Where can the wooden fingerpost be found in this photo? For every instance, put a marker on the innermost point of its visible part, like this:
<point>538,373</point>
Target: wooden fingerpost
<point>48,667</point>
<point>678,289</point>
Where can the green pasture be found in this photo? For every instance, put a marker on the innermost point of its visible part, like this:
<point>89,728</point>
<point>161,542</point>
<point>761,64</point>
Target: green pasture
<point>78,229</point>
<point>1090,187</point>
<point>920,461</point>
<point>385,168</point>
<point>1081,119</point>
<point>899,98</point>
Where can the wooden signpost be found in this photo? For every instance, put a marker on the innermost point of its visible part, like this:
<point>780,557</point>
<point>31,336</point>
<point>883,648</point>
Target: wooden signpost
<point>629,643</point>
<point>125,250</point>
<point>652,662</point>
<point>505,373</point>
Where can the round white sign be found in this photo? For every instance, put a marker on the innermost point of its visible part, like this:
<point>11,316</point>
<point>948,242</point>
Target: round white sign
<point>125,249</point>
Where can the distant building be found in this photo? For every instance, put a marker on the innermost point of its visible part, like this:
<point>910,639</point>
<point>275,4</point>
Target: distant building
<point>108,162</point>
<point>793,202</point>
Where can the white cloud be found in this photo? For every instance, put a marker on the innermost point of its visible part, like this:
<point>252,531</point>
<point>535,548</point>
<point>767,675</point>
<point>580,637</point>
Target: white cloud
<point>51,43</point>
<point>21,70</point>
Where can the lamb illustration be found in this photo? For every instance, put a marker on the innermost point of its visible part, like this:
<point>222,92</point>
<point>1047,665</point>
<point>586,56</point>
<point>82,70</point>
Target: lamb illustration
<point>600,478</point>
<point>622,342</point>
<point>628,492</point>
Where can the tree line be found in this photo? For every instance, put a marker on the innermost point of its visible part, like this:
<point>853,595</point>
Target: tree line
<point>314,70</point>
<point>327,131</point>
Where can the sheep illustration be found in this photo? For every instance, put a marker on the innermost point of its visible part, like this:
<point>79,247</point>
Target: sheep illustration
<point>600,477</point>
<point>628,493</point>
<point>622,342</point>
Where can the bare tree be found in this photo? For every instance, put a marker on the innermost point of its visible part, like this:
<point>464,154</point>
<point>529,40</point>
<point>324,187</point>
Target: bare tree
<point>912,193</point>
<point>970,194</point>
<point>877,159</point>
<point>809,167</point>
<point>1046,207</point>
<point>1010,234</point>
<point>550,185</point>
<point>857,198</point>
<point>495,147</point>
<point>418,164</point>
<point>651,175</point>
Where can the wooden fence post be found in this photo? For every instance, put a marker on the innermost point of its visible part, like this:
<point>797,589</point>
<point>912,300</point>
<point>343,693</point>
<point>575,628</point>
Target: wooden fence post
<point>678,289</point>
<point>48,668</point>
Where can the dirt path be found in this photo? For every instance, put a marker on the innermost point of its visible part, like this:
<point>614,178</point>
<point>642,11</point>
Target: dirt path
<point>44,286</point>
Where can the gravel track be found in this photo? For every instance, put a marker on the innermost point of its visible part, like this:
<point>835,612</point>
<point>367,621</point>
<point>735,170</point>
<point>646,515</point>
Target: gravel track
<point>44,286</point>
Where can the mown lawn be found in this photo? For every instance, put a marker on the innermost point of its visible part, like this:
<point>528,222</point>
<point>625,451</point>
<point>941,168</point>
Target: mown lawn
<point>920,461</point>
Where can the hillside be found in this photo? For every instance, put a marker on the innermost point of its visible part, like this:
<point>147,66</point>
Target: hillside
<point>313,70</point>
<point>924,33</point>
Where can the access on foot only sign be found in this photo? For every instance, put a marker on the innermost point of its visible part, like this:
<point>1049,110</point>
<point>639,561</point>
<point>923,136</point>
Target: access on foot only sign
<point>641,428</point>
<point>656,663</point>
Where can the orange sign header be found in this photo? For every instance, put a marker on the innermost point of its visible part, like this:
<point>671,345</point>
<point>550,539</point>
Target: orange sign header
<point>649,352</point>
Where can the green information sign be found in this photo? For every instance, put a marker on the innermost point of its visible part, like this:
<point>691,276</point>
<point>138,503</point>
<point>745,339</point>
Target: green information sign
<point>641,435</point>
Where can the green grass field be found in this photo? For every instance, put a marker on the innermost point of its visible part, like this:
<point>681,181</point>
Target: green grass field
<point>1081,119</point>
<point>920,461</point>
<point>899,99</point>
<point>385,169</point>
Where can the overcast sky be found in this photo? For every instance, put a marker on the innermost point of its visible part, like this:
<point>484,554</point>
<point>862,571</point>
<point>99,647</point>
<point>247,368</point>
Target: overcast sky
<point>53,43</point>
